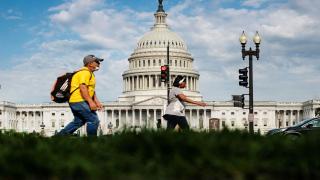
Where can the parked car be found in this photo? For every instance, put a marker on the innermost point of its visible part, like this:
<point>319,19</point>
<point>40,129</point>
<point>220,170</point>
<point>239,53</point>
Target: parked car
<point>306,127</point>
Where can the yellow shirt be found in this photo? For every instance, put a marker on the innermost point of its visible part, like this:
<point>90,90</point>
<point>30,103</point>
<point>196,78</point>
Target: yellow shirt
<point>82,77</point>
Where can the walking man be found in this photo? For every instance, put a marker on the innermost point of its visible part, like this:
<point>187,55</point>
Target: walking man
<point>83,100</point>
<point>174,113</point>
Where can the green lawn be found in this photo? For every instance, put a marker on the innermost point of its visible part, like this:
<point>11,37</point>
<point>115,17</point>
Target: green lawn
<point>159,155</point>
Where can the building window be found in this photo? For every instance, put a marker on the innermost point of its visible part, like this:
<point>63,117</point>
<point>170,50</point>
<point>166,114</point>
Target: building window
<point>53,124</point>
<point>265,113</point>
<point>244,113</point>
<point>154,62</point>
<point>265,122</point>
<point>144,63</point>
<point>62,123</point>
<point>159,62</point>
<point>148,63</point>
<point>62,114</point>
<point>255,121</point>
<point>175,63</point>
<point>232,123</point>
<point>53,114</point>
<point>223,113</point>
<point>232,113</point>
<point>223,123</point>
<point>245,122</point>
<point>255,112</point>
<point>0,112</point>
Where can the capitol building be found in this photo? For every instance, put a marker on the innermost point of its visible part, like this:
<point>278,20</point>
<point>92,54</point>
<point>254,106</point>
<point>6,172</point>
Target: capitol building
<point>143,100</point>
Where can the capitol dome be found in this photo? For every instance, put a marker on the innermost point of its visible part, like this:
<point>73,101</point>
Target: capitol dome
<point>142,80</point>
<point>159,37</point>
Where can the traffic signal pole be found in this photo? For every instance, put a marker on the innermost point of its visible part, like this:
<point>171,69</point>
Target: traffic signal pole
<point>168,75</point>
<point>251,115</point>
<point>250,53</point>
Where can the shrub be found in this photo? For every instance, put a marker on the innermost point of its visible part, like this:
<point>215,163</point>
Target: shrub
<point>159,155</point>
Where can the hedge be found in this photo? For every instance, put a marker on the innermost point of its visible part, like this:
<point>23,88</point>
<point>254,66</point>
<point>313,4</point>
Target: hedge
<point>159,155</point>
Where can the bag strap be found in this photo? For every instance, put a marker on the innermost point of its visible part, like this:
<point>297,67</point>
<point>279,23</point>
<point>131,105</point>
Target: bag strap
<point>79,85</point>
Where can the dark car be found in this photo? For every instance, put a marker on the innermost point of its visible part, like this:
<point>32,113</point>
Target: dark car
<point>306,127</point>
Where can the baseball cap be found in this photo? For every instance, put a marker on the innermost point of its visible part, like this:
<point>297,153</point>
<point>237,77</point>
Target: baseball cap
<point>91,58</point>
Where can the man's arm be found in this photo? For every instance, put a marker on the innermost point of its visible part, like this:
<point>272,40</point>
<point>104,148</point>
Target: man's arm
<point>96,100</point>
<point>85,94</point>
<point>184,98</point>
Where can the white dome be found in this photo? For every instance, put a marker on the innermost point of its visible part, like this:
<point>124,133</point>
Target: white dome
<point>143,79</point>
<point>159,37</point>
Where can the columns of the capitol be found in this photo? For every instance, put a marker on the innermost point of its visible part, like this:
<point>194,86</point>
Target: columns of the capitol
<point>149,79</point>
<point>157,81</point>
<point>192,83</point>
<point>148,119</point>
<point>127,118</point>
<point>197,124</point>
<point>205,121</point>
<point>120,119</point>
<point>143,82</point>
<point>290,118</point>
<point>112,117</point>
<point>140,117</point>
<point>133,118</point>
<point>155,118</point>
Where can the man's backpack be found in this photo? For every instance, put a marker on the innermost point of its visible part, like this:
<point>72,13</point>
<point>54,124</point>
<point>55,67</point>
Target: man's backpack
<point>60,92</point>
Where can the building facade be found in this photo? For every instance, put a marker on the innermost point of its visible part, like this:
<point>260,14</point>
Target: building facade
<point>143,100</point>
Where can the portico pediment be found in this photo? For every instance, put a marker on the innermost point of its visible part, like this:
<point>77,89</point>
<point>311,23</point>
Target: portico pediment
<point>154,101</point>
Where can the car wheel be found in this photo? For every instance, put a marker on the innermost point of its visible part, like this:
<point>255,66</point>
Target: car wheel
<point>292,136</point>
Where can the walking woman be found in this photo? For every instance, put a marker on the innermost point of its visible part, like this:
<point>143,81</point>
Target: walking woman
<point>174,112</point>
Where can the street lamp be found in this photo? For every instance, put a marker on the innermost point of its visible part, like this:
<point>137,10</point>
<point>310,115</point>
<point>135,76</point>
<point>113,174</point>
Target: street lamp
<point>250,53</point>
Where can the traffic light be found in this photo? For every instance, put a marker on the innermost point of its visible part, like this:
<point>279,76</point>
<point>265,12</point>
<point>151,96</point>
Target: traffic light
<point>243,77</point>
<point>238,100</point>
<point>164,73</point>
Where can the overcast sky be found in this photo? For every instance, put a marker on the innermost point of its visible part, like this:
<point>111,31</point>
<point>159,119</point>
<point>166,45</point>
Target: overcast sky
<point>40,40</point>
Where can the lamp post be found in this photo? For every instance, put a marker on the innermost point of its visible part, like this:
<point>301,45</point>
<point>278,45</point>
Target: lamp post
<point>250,53</point>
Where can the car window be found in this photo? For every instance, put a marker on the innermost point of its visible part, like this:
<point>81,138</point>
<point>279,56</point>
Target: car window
<point>301,122</point>
<point>315,123</point>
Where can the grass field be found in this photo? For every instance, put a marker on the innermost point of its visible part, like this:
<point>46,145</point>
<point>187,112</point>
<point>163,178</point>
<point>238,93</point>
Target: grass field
<point>159,155</point>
